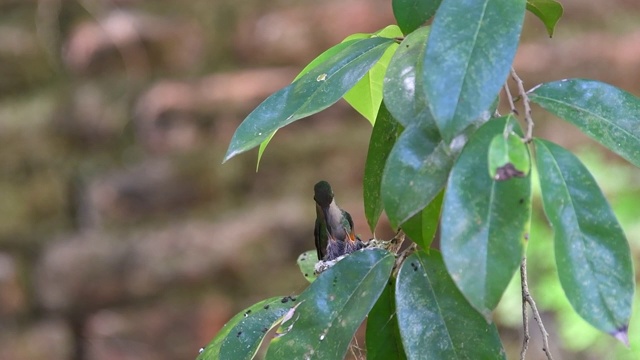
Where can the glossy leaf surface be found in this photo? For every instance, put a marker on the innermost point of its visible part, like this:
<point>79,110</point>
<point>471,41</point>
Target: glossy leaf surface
<point>416,171</point>
<point>548,11</point>
<point>411,14</point>
<point>435,320</point>
<point>241,337</point>
<point>383,336</point>
<point>333,307</point>
<point>384,135</point>
<point>468,57</point>
<point>607,114</point>
<point>592,253</point>
<point>403,91</point>
<point>314,91</point>
<point>484,222</point>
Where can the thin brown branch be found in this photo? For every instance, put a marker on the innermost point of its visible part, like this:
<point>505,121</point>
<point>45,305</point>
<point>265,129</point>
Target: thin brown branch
<point>525,315</point>
<point>510,99</point>
<point>527,106</point>
<point>528,299</point>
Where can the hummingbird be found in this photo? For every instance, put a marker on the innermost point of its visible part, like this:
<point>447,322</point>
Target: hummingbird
<point>334,233</point>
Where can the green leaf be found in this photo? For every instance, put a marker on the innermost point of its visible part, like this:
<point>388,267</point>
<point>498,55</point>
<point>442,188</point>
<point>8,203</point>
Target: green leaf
<point>508,157</point>
<point>390,32</point>
<point>468,56</point>
<point>307,264</point>
<point>365,97</point>
<point>434,317</point>
<point>416,171</point>
<point>607,114</point>
<point>241,337</point>
<point>403,90</point>
<point>548,11</point>
<point>263,146</point>
<point>411,14</point>
<point>383,336</point>
<point>484,222</point>
<point>422,227</point>
<point>592,253</point>
<point>333,307</point>
<point>384,135</point>
<point>314,91</point>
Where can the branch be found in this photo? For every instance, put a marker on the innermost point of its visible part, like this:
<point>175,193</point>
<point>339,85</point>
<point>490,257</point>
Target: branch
<point>527,106</point>
<point>528,299</point>
<point>510,99</point>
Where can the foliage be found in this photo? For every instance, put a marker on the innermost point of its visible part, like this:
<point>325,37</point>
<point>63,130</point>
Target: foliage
<point>441,157</point>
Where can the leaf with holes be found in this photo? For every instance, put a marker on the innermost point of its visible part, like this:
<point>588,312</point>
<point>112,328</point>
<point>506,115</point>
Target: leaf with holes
<point>241,336</point>
<point>435,319</point>
<point>468,57</point>
<point>607,114</point>
<point>592,253</point>
<point>307,264</point>
<point>313,92</point>
<point>333,307</point>
<point>484,222</point>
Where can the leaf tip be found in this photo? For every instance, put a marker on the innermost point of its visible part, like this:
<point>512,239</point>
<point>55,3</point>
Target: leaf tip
<point>622,335</point>
<point>231,152</point>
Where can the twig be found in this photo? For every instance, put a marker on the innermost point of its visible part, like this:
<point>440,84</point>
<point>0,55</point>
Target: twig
<point>528,299</point>
<point>525,315</point>
<point>510,99</point>
<point>527,106</point>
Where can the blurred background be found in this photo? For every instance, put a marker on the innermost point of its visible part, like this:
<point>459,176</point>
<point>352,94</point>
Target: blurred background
<point>121,234</point>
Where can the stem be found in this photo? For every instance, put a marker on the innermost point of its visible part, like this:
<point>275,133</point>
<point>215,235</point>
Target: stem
<point>510,98</point>
<point>527,106</point>
<point>528,299</point>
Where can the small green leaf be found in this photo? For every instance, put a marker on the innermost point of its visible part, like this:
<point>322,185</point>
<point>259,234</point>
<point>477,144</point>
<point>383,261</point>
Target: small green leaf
<point>403,90</point>
<point>333,307</point>
<point>241,337</point>
<point>411,14</point>
<point>366,95</point>
<point>313,92</point>
<point>548,11</point>
<point>384,135</point>
<point>607,114</point>
<point>307,264</point>
<point>383,336</point>
<point>508,156</point>
<point>592,253</point>
<point>434,317</point>
<point>468,56</point>
<point>422,227</point>
<point>263,146</point>
<point>416,171</point>
<point>484,222</point>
